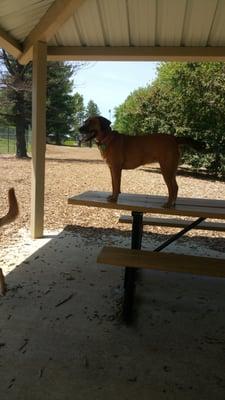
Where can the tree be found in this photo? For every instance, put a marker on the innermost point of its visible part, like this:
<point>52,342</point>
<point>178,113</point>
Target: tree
<point>16,97</point>
<point>15,94</point>
<point>60,102</point>
<point>198,93</point>
<point>128,117</point>
<point>185,99</point>
<point>79,111</point>
<point>92,109</point>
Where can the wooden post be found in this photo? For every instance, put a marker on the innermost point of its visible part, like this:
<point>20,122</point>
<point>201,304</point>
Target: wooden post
<point>38,138</point>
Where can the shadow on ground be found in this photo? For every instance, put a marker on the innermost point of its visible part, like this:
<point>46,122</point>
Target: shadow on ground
<point>62,336</point>
<point>185,171</point>
<point>74,160</point>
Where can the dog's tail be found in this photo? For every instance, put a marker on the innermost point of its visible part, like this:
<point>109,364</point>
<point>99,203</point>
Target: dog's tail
<point>13,208</point>
<point>187,141</point>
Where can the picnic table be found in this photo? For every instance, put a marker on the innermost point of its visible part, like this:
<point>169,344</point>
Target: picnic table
<point>139,204</point>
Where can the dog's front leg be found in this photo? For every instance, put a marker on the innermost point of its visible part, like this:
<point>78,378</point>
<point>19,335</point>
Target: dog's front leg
<point>116,180</point>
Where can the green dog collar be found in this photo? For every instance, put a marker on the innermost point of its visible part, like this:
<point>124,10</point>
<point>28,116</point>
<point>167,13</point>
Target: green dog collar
<point>102,146</point>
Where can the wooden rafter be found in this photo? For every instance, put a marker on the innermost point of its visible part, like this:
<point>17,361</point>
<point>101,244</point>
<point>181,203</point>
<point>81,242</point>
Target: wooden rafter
<point>136,53</point>
<point>48,25</point>
<point>8,43</point>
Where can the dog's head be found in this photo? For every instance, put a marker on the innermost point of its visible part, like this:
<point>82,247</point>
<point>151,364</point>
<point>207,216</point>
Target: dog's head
<point>95,128</point>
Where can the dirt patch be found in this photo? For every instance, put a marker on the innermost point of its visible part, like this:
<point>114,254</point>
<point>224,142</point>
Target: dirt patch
<point>70,171</point>
<point>61,328</point>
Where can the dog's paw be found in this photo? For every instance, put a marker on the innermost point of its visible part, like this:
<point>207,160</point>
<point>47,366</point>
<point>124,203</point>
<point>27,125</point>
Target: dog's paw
<point>112,199</point>
<point>168,205</point>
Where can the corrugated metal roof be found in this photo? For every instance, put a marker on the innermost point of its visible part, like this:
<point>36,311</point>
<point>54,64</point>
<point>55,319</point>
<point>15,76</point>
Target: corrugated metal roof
<point>18,17</point>
<point>118,23</point>
<point>145,23</point>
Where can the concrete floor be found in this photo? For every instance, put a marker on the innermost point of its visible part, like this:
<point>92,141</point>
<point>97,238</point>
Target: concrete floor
<point>61,336</point>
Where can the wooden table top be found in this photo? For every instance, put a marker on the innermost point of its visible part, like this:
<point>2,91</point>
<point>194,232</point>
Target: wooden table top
<point>191,207</point>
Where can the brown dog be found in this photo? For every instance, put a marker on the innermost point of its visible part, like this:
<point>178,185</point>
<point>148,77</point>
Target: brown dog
<point>9,217</point>
<point>128,152</point>
<point>13,209</point>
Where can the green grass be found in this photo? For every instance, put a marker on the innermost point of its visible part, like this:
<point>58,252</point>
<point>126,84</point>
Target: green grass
<point>9,146</point>
<point>69,142</point>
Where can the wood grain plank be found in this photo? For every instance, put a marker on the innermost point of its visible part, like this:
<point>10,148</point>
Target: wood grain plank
<point>175,223</point>
<point>152,204</point>
<point>169,262</point>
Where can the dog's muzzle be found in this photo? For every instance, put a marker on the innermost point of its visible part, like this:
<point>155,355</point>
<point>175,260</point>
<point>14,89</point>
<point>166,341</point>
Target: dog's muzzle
<point>86,134</point>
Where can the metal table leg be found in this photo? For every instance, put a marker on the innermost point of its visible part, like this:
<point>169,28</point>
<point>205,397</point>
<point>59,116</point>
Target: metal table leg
<point>179,234</point>
<point>130,273</point>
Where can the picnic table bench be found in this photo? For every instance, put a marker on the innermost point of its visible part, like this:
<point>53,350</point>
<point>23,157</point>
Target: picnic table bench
<point>174,223</point>
<point>131,259</point>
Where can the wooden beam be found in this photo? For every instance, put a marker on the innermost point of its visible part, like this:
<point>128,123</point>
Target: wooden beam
<point>38,138</point>
<point>175,223</point>
<point>169,262</point>
<point>48,25</point>
<point>123,53</point>
<point>9,44</point>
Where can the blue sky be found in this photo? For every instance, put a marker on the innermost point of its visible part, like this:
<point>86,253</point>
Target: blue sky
<point>109,83</point>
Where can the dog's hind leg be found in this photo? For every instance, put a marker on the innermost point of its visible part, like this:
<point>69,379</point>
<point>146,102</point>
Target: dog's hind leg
<point>169,176</point>
<point>116,181</point>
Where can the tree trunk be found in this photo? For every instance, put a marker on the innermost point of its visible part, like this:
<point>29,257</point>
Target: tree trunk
<point>58,139</point>
<point>21,147</point>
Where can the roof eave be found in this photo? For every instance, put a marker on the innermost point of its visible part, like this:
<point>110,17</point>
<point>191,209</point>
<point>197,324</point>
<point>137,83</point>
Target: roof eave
<point>11,45</point>
<point>137,53</point>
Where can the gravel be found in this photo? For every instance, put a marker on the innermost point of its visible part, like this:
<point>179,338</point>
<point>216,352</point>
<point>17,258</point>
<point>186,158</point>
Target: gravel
<point>72,170</point>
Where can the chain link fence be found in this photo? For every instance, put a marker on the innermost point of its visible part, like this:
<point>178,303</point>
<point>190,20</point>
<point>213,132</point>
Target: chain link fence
<point>8,140</point>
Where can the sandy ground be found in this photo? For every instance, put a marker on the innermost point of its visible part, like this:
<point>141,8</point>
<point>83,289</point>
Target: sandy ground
<point>62,337</point>
<point>70,171</point>
<point>61,333</point>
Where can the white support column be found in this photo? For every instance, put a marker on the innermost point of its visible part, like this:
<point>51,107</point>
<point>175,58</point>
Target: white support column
<point>38,138</point>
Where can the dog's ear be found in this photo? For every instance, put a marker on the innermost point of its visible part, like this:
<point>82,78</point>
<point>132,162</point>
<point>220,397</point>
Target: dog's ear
<point>104,123</point>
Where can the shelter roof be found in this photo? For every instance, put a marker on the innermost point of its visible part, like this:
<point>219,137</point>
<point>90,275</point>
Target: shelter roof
<point>115,29</point>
